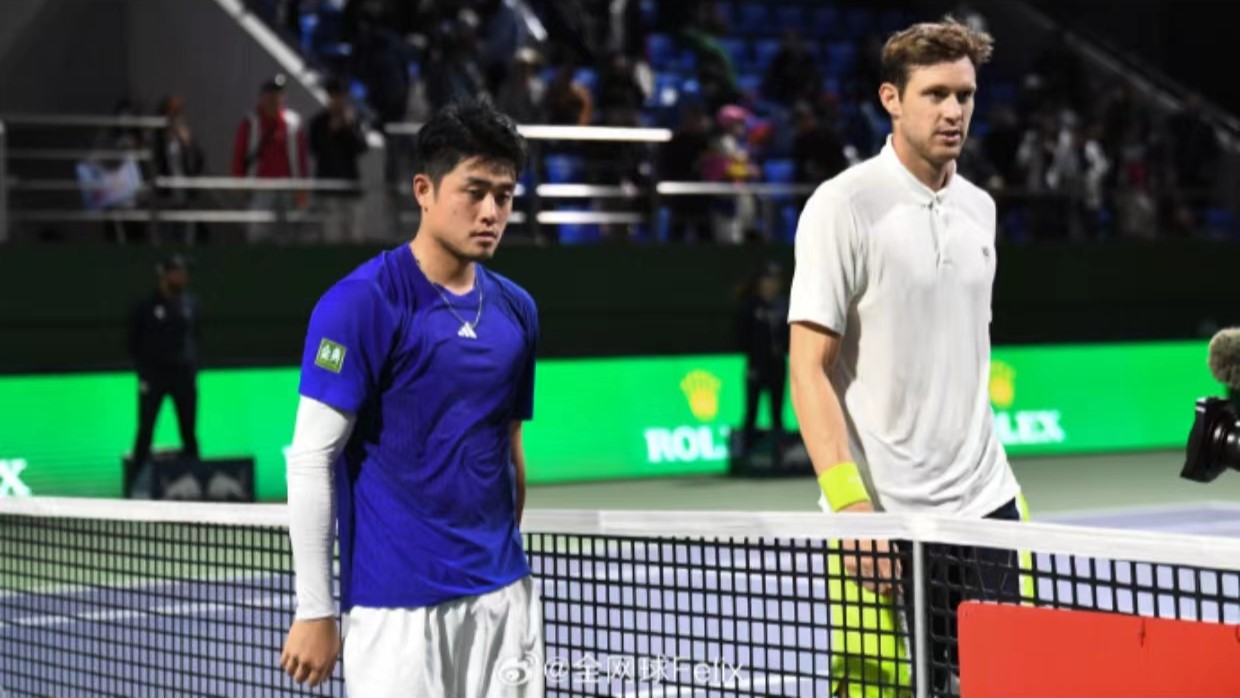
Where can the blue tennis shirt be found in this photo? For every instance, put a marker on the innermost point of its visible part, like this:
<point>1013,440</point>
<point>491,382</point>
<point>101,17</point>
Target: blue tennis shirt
<point>425,488</point>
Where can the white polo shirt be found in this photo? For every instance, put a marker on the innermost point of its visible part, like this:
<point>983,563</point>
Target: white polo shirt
<point>904,275</point>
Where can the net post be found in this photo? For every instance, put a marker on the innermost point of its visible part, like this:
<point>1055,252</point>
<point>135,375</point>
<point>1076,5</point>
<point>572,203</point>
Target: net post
<point>921,665</point>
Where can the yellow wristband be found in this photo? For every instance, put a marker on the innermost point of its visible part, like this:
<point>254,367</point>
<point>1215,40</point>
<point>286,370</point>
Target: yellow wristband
<point>842,485</point>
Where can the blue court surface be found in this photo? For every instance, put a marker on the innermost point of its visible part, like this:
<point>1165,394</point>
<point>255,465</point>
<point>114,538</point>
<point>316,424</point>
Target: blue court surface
<point>657,619</point>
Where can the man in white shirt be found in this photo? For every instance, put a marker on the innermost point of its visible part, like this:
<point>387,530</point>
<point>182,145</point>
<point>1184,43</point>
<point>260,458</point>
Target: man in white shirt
<point>890,359</point>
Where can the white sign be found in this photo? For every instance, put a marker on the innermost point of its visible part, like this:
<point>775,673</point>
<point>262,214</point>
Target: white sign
<point>11,484</point>
<point>686,444</point>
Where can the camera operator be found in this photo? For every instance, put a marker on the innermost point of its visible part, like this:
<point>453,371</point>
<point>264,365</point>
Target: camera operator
<point>1214,442</point>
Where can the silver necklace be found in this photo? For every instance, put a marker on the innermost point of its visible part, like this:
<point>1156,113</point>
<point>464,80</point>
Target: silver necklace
<point>468,329</point>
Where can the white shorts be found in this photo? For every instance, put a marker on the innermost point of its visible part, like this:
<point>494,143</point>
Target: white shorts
<point>487,646</point>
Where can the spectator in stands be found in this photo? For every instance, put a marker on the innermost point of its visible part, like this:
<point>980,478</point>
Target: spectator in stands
<point>452,72</point>
<point>337,141</point>
<point>1194,150</point>
<point>620,97</point>
<point>503,34</point>
<point>1096,166</point>
<point>271,144</point>
<point>114,174</point>
<point>566,101</point>
<point>1001,145</point>
<point>1136,212</point>
<point>175,153</point>
<point>716,74</point>
<point>380,61</point>
<point>793,74</point>
<point>683,161</point>
<point>521,95</point>
<point>728,160</point>
<point>818,149</point>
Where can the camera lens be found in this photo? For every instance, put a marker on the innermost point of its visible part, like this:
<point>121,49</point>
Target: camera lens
<point>1214,442</point>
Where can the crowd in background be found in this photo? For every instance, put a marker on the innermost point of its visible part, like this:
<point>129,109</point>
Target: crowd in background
<point>1067,156</point>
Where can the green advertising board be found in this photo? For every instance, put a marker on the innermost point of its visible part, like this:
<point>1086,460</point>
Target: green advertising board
<point>595,419</point>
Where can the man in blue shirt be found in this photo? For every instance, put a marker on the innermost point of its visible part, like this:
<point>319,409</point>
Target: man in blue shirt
<point>417,374</point>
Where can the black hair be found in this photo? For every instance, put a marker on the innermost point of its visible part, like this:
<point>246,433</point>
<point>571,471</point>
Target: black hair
<point>467,129</point>
<point>336,86</point>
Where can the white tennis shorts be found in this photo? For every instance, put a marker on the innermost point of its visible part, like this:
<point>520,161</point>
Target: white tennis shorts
<point>487,646</point>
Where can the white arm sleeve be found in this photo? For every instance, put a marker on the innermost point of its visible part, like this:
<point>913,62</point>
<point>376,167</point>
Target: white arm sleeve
<point>319,437</point>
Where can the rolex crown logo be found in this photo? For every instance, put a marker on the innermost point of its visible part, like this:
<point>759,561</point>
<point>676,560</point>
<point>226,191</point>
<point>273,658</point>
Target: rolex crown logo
<point>701,388</point>
<point>1002,384</point>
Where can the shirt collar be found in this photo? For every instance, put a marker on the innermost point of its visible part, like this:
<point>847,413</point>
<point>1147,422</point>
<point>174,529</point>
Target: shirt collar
<point>924,195</point>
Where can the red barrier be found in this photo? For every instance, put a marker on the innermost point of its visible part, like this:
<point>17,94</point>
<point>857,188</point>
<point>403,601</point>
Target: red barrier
<point>1009,651</point>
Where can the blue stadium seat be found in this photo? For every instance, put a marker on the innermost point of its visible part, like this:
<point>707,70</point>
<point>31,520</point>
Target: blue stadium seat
<point>691,88</point>
<point>1220,221</point>
<point>781,171</point>
<point>892,21</point>
<point>338,51</point>
<point>587,78</point>
<point>649,12</point>
<point>686,62</point>
<point>578,233</point>
<point>357,90</point>
<point>564,169</point>
<point>738,51</point>
<point>841,58</point>
<point>826,21</point>
<point>327,28</point>
<point>999,93</point>
<point>749,83</point>
<point>663,224</point>
<point>789,217</point>
<point>790,17</point>
<point>309,22</point>
<point>764,51</point>
<point>661,51</point>
<point>730,16</point>
<point>666,90</point>
<point>859,22</point>
<point>753,18</point>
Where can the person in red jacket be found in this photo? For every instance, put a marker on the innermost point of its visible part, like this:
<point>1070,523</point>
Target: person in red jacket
<point>271,144</point>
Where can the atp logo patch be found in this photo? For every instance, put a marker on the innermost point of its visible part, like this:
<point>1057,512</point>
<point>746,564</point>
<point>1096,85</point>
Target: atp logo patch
<point>330,356</point>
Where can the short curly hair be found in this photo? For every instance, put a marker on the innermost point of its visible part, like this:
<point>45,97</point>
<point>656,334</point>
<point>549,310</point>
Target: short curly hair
<point>468,129</point>
<point>930,43</point>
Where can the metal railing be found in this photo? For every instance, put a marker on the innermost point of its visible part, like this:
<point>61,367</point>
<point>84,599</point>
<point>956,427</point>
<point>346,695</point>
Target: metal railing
<point>163,201</point>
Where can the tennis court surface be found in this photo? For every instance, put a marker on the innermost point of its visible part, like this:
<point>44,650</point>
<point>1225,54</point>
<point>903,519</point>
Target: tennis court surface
<point>108,598</point>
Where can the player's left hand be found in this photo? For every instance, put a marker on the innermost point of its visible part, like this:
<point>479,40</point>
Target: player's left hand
<point>311,650</point>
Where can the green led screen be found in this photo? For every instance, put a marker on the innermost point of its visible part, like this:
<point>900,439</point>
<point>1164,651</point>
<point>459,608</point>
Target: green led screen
<point>65,435</point>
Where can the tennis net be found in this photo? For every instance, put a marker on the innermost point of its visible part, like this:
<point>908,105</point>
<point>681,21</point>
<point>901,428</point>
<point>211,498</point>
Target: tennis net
<point>107,598</point>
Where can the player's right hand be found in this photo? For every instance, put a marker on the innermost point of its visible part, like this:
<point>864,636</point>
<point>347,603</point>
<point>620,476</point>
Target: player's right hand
<point>311,650</point>
<point>872,563</point>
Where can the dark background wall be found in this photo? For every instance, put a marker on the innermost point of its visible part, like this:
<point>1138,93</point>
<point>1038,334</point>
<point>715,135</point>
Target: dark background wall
<point>82,56</point>
<point>63,308</point>
<point>1185,40</point>
<point>63,55</point>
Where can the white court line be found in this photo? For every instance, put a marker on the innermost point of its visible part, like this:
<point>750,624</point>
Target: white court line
<point>132,584</point>
<point>170,610</point>
<point>1130,512</point>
